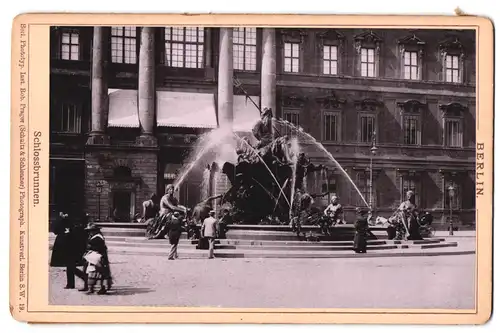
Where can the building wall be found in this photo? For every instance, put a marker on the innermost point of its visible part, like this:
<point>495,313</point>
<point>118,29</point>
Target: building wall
<point>101,164</point>
<point>70,80</point>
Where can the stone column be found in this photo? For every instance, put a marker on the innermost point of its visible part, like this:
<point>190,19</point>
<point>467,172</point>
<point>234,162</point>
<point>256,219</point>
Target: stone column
<point>146,87</point>
<point>225,81</point>
<point>99,88</point>
<point>268,72</point>
<point>224,97</point>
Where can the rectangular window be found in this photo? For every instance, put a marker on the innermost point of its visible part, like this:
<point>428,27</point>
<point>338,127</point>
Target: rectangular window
<point>449,199</point>
<point>411,128</point>
<point>330,186</point>
<point>367,62</point>
<point>70,46</point>
<point>184,47</point>
<point>410,184</point>
<point>245,49</point>
<point>452,70</point>
<point>453,135</point>
<point>292,116</point>
<point>67,118</point>
<point>410,65</point>
<point>331,126</point>
<point>330,61</point>
<point>366,128</point>
<point>363,184</point>
<point>291,57</point>
<point>124,45</point>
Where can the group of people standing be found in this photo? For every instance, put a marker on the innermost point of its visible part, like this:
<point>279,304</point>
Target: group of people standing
<point>168,219</point>
<point>81,244</point>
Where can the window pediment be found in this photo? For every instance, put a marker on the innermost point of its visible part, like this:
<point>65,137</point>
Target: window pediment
<point>411,106</point>
<point>294,101</point>
<point>330,101</point>
<point>293,35</point>
<point>409,173</point>
<point>412,44</point>
<point>452,45</point>
<point>452,173</point>
<point>331,35</point>
<point>368,38</point>
<point>453,109</point>
<point>368,104</point>
<point>411,40</point>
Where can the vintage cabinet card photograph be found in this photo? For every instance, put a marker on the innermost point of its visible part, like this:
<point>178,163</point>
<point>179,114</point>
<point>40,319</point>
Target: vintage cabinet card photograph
<point>251,169</point>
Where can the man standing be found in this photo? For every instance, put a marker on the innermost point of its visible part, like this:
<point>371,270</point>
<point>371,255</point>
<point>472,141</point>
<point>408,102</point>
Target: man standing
<point>69,247</point>
<point>174,234</point>
<point>209,231</point>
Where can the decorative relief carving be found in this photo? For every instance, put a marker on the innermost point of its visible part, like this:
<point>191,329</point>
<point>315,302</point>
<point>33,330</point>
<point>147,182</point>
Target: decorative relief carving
<point>452,45</point>
<point>411,106</point>
<point>293,34</point>
<point>330,101</point>
<point>368,38</point>
<point>294,101</point>
<point>368,104</point>
<point>453,109</point>
<point>331,34</point>
<point>411,40</point>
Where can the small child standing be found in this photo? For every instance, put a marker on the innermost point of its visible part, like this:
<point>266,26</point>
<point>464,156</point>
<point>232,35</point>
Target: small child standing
<point>98,269</point>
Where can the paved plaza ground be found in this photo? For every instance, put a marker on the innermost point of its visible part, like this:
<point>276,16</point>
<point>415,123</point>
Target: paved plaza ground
<point>439,282</point>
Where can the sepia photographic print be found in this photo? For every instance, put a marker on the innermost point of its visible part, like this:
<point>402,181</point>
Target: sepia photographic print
<point>296,168</point>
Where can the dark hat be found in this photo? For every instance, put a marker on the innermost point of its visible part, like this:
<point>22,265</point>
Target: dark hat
<point>176,214</point>
<point>92,227</point>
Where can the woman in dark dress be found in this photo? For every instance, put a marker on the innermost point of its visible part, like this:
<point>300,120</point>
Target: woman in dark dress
<point>361,231</point>
<point>69,247</point>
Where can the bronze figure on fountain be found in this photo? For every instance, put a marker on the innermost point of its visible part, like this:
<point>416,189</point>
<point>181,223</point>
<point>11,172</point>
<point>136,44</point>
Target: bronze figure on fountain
<point>263,177</point>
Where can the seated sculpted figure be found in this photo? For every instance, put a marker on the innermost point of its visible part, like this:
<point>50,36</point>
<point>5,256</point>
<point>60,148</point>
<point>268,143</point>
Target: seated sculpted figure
<point>409,212</point>
<point>168,205</point>
<point>263,130</point>
<point>333,213</point>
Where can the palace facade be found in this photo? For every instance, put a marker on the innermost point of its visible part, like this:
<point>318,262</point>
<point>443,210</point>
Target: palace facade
<point>128,104</point>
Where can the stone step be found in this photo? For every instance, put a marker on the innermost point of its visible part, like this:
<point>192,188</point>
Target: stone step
<point>187,245</point>
<point>198,254</point>
<point>240,242</point>
<point>112,244</point>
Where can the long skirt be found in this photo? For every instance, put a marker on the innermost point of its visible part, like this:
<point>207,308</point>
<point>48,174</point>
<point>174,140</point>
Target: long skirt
<point>100,273</point>
<point>360,242</point>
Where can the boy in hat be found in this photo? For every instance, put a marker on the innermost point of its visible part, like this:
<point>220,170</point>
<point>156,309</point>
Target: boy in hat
<point>174,234</point>
<point>361,231</point>
<point>209,231</point>
<point>98,263</point>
